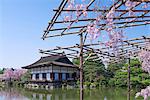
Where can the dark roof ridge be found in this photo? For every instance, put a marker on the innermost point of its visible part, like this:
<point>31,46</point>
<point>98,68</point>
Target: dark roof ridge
<point>54,55</point>
<point>45,60</point>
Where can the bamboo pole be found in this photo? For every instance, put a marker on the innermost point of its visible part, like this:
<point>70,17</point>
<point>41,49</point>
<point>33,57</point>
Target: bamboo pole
<point>116,23</point>
<point>99,10</point>
<point>115,18</point>
<point>129,78</point>
<point>50,25</point>
<point>81,66</point>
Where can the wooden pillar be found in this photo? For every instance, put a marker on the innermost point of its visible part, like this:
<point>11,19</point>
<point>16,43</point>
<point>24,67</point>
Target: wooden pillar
<point>128,79</point>
<point>40,76</point>
<point>33,76</point>
<point>52,73</point>
<point>48,77</point>
<point>81,66</point>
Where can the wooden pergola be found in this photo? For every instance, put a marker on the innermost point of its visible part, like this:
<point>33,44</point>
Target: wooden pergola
<point>127,49</point>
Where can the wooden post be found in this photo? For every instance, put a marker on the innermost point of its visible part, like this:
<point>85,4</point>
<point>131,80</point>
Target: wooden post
<point>81,66</point>
<point>128,78</point>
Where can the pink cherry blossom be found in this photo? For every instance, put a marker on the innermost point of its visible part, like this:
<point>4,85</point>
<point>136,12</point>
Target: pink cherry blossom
<point>147,22</point>
<point>84,13</point>
<point>67,18</point>
<point>145,6</point>
<point>130,6</point>
<point>79,6</point>
<point>13,74</point>
<point>145,58</point>
<point>109,29</point>
<point>144,92</point>
<point>96,35</point>
<point>94,28</point>
<point>8,73</point>
<point>70,6</point>
<point>98,18</point>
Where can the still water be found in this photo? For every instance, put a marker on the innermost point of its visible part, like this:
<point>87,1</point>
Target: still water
<point>65,94</point>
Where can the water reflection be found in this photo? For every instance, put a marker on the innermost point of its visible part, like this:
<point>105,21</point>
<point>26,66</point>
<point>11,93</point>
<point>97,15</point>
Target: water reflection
<point>11,94</point>
<point>63,94</point>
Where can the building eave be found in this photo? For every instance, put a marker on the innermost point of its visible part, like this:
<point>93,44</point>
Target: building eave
<point>51,63</point>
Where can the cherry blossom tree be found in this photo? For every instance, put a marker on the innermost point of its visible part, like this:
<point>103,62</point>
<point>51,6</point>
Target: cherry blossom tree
<point>115,35</point>
<point>8,74</point>
<point>145,59</point>
<point>93,28</point>
<point>13,73</point>
<point>144,92</point>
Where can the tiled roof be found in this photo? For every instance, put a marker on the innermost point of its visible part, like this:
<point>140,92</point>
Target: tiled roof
<point>60,60</point>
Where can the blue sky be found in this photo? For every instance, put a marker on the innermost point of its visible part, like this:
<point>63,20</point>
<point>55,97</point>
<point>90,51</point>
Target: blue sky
<point>21,26</point>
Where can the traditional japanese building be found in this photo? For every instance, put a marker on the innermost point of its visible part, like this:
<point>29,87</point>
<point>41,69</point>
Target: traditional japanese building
<point>53,71</point>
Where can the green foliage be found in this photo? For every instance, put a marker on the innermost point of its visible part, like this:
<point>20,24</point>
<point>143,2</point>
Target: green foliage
<point>135,63</point>
<point>2,71</point>
<point>93,71</point>
<point>138,76</point>
<point>120,78</point>
<point>115,67</point>
<point>115,74</point>
<point>26,77</point>
<point>76,61</point>
<point>87,83</point>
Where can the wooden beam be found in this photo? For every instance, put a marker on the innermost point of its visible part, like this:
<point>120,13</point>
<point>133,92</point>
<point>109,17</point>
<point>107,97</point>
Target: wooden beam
<point>99,10</point>
<point>50,25</point>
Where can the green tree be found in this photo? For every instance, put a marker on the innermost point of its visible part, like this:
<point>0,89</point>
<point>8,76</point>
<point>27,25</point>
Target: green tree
<point>26,77</point>
<point>138,76</point>
<point>93,71</point>
<point>2,71</point>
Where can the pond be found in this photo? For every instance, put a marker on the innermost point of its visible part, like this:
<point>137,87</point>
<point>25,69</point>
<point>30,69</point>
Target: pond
<point>65,94</point>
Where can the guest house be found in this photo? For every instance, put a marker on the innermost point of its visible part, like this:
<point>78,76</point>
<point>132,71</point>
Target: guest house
<point>54,70</point>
